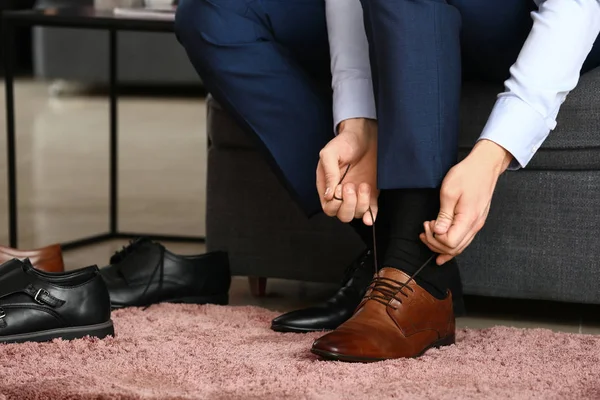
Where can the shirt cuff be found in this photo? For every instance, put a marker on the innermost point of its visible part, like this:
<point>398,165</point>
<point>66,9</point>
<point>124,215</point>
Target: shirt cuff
<point>353,98</point>
<point>518,128</point>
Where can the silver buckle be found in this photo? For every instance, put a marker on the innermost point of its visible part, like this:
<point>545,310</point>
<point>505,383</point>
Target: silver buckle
<point>37,295</point>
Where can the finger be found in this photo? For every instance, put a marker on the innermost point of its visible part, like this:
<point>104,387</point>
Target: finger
<point>431,241</point>
<point>433,238</point>
<point>425,241</point>
<point>436,242</point>
<point>463,246</point>
<point>363,200</point>
<point>331,171</point>
<point>448,200</point>
<point>462,225</point>
<point>371,216</point>
<point>332,207</point>
<point>348,206</point>
<point>471,236</point>
<point>338,194</point>
<point>444,258</point>
<point>321,183</point>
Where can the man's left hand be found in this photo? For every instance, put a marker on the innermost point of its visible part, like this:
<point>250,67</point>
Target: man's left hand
<point>465,199</point>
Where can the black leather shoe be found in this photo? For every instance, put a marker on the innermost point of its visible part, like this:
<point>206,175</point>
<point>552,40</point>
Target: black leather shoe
<point>145,273</point>
<point>39,306</point>
<point>336,310</point>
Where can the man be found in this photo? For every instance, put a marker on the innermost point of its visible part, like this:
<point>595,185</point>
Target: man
<point>266,60</point>
<point>268,64</point>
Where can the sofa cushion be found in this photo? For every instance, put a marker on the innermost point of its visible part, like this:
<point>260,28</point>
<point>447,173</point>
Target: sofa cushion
<point>222,130</point>
<point>574,144</point>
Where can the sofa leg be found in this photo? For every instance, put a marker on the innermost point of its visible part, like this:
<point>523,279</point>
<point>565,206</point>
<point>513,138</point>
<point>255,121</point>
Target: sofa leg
<point>258,286</point>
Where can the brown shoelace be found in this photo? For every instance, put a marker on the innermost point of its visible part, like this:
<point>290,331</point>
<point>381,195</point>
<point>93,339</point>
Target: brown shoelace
<point>385,289</point>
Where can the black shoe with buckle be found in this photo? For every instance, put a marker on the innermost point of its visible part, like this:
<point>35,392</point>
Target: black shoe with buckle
<point>336,310</point>
<point>37,306</point>
<point>145,273</point>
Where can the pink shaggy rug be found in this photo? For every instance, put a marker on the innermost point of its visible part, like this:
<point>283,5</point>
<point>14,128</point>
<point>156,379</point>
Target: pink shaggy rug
<point>213,352</point>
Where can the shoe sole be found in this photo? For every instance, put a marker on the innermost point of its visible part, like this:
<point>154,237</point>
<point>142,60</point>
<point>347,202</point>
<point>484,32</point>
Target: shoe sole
<point>220,299</point>
<point>290,329</point>
<point>99,331</point>
<point>447,341</point>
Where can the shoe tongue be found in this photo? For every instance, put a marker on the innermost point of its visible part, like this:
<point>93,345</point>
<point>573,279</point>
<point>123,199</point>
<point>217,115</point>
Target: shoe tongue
<point>27,265</point>
<point>14,276</point>
<point>138,266</point>
<point>130,248</point>
<point>11,265</point>
<point>140,240</point>
<point>395,274</point>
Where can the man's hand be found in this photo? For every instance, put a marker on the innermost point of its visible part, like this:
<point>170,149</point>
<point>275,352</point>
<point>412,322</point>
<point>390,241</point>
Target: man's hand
<point>465,197</point>
<point>356,146</point>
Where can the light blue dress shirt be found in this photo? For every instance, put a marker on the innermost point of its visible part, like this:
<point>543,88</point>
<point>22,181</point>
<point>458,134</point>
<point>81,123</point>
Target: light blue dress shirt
<point>546,70</point>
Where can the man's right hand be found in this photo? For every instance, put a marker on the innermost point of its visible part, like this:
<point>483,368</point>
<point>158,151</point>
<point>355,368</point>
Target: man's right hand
<point>354,146</point>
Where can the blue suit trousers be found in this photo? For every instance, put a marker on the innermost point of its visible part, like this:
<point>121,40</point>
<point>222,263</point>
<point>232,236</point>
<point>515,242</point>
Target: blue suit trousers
<point>267,63</point>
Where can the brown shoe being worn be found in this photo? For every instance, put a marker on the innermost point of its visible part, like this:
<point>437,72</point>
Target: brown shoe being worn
<point>394,320</point>
<point>47,259</point>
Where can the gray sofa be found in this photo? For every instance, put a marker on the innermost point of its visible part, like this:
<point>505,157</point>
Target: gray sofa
<point>541,241</point>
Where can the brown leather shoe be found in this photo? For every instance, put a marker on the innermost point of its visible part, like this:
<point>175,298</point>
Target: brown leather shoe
<point>393,321</point>
<point>47,259</point>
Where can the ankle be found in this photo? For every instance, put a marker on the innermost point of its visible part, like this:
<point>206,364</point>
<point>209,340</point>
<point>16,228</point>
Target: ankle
<point>432,289</point>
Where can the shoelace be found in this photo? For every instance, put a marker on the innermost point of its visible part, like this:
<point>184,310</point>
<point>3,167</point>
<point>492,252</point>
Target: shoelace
<point>125,251</point>
<point>351,269</point>
<point>386,288</point>
<point>160,266</point>
<point>372,219</point>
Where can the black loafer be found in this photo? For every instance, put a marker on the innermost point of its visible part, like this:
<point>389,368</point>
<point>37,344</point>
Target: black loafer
<point>336,310</point>
<point>38,306</point>
<point>145,273</point>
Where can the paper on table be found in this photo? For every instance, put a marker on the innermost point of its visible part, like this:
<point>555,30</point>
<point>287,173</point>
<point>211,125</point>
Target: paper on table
<point>112,4</point>
<point>162,13</point>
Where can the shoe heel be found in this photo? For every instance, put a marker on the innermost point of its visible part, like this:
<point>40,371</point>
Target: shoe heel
<point>102,330</point>
<point>447,341</point>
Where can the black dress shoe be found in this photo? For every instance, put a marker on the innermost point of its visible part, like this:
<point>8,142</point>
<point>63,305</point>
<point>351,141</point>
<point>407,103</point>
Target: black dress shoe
<point>145,273</point>
<point>39,306</point>
<point>336,310</point>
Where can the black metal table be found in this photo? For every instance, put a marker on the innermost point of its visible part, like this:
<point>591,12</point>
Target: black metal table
<point>84,18</point>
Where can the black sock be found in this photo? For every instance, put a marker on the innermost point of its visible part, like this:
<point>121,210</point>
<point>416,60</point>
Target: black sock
<point>379,245</point>
<point>404,211</point>
<point>365,232</point>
